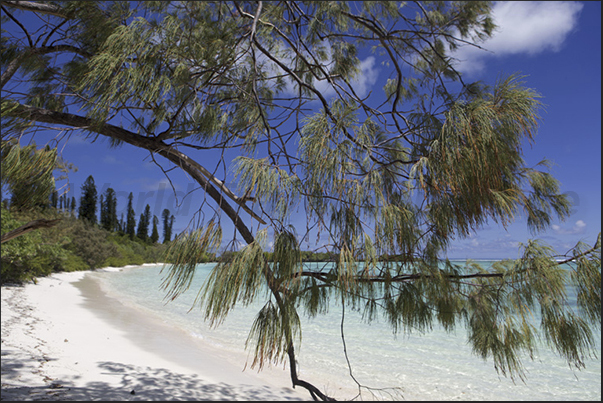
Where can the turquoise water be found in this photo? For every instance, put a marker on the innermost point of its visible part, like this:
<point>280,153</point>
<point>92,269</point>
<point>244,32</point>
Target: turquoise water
<point>431,366</point>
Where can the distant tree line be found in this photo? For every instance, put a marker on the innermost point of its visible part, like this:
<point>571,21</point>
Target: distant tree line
<point>108,215</point>
<point>106,205</point>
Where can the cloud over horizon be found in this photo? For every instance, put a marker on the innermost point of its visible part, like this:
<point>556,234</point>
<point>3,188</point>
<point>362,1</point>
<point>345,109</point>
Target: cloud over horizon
<point>578,228</point>
<point>523,27</point>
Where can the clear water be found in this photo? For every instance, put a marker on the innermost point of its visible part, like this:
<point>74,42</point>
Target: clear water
<point>431,366</point>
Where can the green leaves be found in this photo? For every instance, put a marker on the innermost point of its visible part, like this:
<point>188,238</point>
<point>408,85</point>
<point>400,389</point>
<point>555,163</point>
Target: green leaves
<point>385,179</point>
<point>271,333</point>
<point>185,252</point>
<point>27,171</point>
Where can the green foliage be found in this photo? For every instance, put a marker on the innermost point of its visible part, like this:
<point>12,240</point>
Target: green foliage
<point>386,179</point>
<point>185,252</point>
<point>72,245</point>
<point>131,218</point>
<point>27,173</point>
<point>37,253</point>
<point>88,200</point>
<point>88,243</point>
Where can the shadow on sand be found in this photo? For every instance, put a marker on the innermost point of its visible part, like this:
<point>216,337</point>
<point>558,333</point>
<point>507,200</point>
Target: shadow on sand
<point>135,384</point>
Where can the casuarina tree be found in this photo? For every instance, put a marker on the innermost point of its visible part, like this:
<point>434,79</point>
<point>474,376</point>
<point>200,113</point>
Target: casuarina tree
<point>397,171</point>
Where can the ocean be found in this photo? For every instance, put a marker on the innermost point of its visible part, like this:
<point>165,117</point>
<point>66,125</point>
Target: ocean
<point>435,365</point>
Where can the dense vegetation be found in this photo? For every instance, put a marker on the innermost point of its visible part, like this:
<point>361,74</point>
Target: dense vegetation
<point>71,245</point>
<point>56,239</point>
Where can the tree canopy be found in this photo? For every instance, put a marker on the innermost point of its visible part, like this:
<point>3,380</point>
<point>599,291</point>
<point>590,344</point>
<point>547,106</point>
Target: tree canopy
<point>398,171</point>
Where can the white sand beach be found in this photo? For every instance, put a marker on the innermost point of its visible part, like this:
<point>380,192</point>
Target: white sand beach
<point>59,345</point>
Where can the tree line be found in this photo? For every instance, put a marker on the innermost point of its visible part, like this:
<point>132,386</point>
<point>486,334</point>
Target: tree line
<point>106,205</point>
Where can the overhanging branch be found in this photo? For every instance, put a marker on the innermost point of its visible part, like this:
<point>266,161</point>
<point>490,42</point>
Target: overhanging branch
<point>198,172</point>
<point>37,7</point>
<point>30,226</point>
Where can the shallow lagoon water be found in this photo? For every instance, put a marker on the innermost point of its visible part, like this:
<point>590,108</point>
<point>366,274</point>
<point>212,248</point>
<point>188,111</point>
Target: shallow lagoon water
<point>432,366</point>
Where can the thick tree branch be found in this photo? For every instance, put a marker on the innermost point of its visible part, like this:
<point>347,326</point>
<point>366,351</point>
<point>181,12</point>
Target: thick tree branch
<point>198,172</point>
<point>30,226</point>
<point>37,7</point>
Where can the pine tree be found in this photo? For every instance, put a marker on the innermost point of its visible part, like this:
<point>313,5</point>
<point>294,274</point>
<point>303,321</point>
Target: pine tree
<point>109,210</point>
<point>155,232</point>
<point>121,225</point>
<point>73,205</point>
<point>142,231</point>
<point>131,218</point>
<point>167,228</point>
<point>88,201</point>
<point>54,199</point>
<point>103,212</point>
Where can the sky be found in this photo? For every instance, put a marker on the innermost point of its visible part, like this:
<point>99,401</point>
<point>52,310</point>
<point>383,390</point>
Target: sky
<point>555,45</point>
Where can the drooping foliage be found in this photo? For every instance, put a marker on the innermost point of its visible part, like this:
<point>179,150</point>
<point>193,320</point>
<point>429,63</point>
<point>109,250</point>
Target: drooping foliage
<point>27,174</point>
<point>385,177</point>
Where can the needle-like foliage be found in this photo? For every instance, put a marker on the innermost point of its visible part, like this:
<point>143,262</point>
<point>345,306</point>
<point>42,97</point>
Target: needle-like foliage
<point>274,96</point>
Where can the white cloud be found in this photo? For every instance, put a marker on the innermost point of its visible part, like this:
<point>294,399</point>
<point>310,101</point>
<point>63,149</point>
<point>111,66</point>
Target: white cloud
<point>578,228</point>
<point>149,185</point>
<point>361,84</point>
<point>524,27</point>
<point>367,77</point>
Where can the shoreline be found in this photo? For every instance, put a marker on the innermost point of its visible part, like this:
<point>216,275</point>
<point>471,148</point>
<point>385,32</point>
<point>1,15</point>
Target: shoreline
<point>63,339</point>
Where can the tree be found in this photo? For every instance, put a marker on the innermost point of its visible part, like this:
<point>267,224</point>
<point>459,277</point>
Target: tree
<point>54,199</point>
<point>131,218</point>
<point>108,210</point>
<point>73,205</point>
<point>27,174</point>
<point>142,231</point>
<point>88,200</point>
<point>167,225</point>
<point>155,232</point>
<point>394,172</point>
<point>121,224</point>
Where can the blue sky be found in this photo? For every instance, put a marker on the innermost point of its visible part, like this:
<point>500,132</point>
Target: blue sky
<point>556,45</point>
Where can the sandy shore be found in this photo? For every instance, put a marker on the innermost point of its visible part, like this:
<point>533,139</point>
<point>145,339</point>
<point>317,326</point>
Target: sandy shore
<point>58,344</point>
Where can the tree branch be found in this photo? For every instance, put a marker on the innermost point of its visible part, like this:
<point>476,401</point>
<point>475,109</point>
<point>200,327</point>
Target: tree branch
<point>37,7</point>
<point>14,65</point>
<point>30,226</point>
<point>198,172</point>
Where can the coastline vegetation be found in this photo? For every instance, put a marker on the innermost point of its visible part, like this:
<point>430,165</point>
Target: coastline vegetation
<point>71,245</point>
